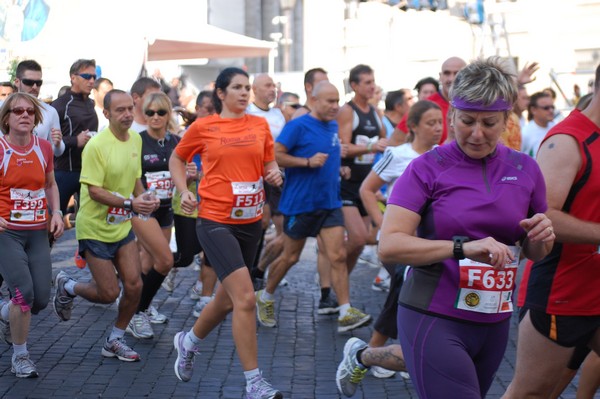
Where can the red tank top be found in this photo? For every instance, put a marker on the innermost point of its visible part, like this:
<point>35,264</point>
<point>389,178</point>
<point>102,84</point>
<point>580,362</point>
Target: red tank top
<point>566,281</point>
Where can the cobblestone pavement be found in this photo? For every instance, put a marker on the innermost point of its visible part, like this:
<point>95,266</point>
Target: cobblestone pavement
<point>300,356</point>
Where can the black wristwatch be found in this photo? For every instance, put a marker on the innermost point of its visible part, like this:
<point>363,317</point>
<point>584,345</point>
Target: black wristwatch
<point>458,246</point>
<point>127,205</point>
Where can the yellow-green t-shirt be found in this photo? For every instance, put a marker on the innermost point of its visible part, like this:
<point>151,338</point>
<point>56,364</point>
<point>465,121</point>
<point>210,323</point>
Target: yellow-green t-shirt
<point>113,165</point>
<point>176,203</point>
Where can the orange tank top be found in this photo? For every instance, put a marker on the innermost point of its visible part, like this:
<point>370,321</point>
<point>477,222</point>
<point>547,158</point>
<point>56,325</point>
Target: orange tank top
<point>22,182</point>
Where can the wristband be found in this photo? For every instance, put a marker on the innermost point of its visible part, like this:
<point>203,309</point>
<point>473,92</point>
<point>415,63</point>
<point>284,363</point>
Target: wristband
<point>458,246</point>
<point>308,162</point>
<point>370,147</point>
<point>58,212</point>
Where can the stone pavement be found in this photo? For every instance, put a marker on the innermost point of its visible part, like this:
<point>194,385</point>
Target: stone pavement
<point>300,356</point>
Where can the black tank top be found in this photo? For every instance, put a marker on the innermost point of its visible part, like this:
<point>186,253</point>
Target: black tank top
<point>368,130</point>
<point>155,158</point>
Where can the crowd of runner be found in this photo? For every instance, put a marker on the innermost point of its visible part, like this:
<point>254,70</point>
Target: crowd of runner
<point>455,190</point>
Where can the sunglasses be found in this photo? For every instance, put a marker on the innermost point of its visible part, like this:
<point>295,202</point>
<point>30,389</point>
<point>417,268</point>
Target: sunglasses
<point>160,112</point>
<point>547,107</point>
<point>20,111</point>
<point>31,82</point>
<point>87,76</point>
<point>292,105</point>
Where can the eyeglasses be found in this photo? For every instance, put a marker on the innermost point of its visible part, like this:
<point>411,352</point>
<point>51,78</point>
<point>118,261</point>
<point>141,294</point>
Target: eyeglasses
<point>547,107</point>
<point>292,105</point>
<point>20,111</point>
<point>31,82</point>
<point>160,112</point>
<point>87,76</point>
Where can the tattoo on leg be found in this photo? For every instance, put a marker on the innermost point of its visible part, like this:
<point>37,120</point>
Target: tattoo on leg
<point>387,357</point>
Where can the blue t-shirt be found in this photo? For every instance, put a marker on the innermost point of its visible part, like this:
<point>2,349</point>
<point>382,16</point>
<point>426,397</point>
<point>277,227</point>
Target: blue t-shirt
<point>310,189</point>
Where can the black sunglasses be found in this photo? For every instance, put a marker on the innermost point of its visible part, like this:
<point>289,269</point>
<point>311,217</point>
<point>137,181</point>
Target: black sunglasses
<point>21,110</point>
<point>87,76</point>
<point>547,107</point>
<point>292,105</point>
<point>31,82</point>
<point>160,112</point>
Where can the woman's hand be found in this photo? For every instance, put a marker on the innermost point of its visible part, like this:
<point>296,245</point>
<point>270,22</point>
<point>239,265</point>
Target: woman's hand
<point>538,228</point>
<point>188,202</point>
<point>57,225</point>
<point>490,251</point>
<point>274,177</point>
<point>191,171</point>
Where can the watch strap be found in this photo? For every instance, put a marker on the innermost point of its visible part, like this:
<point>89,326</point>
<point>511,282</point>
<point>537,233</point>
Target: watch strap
<point>458,246</point>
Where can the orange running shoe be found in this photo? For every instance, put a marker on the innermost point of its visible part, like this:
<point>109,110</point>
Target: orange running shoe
<point>79,261</point>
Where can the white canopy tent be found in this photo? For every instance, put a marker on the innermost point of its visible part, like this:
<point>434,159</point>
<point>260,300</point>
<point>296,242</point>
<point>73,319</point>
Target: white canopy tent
<point>206,41</point>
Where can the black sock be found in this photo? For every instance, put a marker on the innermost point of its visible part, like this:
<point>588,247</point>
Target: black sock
<point>257,273</point>
<point>325,293</point>
<point>358,354</point>
<point>152,282</point>
<point>259,250</point>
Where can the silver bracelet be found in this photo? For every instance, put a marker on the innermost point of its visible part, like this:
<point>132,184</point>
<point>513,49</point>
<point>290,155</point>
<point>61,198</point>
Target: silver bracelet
<point>57,211</point>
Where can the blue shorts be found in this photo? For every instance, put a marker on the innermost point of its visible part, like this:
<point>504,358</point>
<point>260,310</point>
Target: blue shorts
<point>310,224</point>
<point>104,250</point>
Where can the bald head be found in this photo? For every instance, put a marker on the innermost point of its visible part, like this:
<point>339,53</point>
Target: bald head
<point>322,87</point>
<point>450,69</point>
<point>326,100</point>
<point>264,90</point>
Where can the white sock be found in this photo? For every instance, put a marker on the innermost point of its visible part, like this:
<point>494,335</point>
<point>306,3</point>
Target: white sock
<point>198,285</point>
<point>116,333</point>
<point>5,311</point>
<point>191,341</point>
<point>265,296</point>
<point>70,287</point>
<point>251,375</point>
<point>344,309</point>
<point>20,349</point>
<point>205,299</point>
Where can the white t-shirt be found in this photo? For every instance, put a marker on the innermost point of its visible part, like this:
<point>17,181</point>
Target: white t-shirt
<point>138,127</point>
<point>44,129</point>
<point>532,136</point>
<point>394,162</point>
<point>102,121</point>
<point>274,118</point>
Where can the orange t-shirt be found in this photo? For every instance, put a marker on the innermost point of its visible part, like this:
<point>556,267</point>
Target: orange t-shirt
<point>234,152</point>
<point>23,172</point>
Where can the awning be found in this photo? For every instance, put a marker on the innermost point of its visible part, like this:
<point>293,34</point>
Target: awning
<point>205,41</point>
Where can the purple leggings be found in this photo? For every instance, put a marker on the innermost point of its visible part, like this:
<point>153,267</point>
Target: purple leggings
<point>444,355</point>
